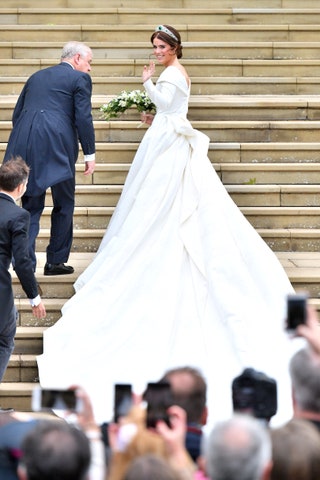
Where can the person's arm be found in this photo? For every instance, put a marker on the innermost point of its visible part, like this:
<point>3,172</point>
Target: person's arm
<point>174,437</point>
<point>310,330</point>
<point>161,95</point>
<point>23,264</point>
<point>84,121</point>
<point>19,105</point>
<point>86,420</point>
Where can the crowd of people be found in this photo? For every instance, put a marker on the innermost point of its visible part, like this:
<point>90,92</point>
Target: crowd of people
<point>178,234</point>
<point>243,447</point>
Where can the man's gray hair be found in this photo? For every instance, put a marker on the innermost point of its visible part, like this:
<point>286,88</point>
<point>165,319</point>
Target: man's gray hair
<point>305,378</point>
<point>238,449</point>
<point>71,49</point>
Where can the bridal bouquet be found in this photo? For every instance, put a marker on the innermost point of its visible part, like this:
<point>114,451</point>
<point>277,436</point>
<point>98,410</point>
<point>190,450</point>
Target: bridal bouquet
<point>119,104</point>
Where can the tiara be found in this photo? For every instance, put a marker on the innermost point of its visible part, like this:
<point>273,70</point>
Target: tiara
<point>162,28</point>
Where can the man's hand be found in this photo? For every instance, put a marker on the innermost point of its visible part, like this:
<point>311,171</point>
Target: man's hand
<point>89,168</point>
<point>39,311</point>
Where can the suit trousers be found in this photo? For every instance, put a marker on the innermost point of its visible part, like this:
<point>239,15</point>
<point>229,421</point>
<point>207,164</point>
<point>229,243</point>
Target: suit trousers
<point>7,332</point>
<point>61,233</point>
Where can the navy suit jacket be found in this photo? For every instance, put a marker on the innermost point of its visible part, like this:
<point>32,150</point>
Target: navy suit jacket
<point>52,114</point>
<point>14,226</point>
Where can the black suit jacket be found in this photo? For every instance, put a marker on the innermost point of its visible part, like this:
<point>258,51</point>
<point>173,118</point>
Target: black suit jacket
<point>14,226</point>
<point>52,114</point>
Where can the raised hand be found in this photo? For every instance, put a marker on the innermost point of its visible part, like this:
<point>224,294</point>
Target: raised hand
<point>148,71</point>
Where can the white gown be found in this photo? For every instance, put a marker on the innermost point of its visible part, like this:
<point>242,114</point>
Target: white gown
<point>181,278</point>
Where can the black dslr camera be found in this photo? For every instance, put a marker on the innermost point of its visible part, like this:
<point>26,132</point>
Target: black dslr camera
<point>255,393</point>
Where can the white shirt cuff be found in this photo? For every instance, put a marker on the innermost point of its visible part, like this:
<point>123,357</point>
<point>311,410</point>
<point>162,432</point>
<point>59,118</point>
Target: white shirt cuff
<point>34,302</point>
<point>90,158</point>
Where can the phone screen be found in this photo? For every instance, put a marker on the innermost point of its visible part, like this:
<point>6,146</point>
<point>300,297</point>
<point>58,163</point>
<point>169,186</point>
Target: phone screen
<point>296,311</point>
<point>159,398</point>
<point>122,400</point>
<point>48,399</point>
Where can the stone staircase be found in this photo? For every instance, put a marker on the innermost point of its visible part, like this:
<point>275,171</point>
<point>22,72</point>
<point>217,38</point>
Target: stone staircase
<point>255,92</point>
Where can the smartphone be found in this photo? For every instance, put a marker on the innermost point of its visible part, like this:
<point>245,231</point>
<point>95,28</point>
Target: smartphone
<point>122,400</point>
<point>52,399</point>
<point>296,311</point>
<point>159,398</point>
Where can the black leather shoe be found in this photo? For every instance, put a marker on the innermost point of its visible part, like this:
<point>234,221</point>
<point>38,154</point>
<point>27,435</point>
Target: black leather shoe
<point>57,269</point>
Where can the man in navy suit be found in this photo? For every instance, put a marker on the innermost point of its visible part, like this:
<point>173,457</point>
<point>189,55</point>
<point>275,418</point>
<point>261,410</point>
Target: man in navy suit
<point>52,114</point>
<point>14,225</point>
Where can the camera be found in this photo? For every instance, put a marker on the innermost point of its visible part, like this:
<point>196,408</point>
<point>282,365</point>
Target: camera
<point>159,398</point>
<point>255,393</point>
<point>296,311</point>
<point>122,400</point>
<point>48,399</point>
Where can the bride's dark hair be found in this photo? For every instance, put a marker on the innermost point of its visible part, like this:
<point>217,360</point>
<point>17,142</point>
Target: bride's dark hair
<point>165,37</point>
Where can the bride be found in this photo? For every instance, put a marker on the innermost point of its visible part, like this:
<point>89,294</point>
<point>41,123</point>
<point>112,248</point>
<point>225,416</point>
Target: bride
<point>180,278</point>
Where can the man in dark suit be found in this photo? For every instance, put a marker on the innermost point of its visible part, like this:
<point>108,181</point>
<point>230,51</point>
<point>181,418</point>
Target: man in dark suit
<point>14,225</point>
<point>52,114</point>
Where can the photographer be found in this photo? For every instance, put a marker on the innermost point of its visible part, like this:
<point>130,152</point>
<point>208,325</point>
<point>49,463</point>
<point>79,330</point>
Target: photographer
<point>305,371</point>
<point>15,426</point>
<point>130,439</point>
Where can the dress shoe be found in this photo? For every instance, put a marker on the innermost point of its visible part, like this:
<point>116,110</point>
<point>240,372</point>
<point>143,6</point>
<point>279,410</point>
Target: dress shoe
<point>6,410</point>
<point>57,269</point>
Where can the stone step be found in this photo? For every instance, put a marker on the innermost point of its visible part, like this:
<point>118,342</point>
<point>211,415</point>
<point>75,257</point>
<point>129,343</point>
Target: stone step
<point>244,195</point>
<point>17,395</point>
<point>28,340</point>
<point>265,4</point>
<point>260,217</point>
<point>265,152</point>
<point>218,67</point>
<point>142,50</point>
<point>199,86</point>
<point>231,152</point>
<point>275,195</point>
<point>223,107</point>
<point>264,174</point>
<point>53,305</point>
<point>249,194</point>
<point>88,240</point>
<point>227,131</point>
<point>230,173</point>
<point>212,107</point>
<point>150,16</point>
<point>21,368</point>
<point>136,33</point>
<point>282,217</point>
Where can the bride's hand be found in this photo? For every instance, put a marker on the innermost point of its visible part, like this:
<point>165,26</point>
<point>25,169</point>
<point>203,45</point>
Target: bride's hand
<point>148,71</point>
<point>146,118</point>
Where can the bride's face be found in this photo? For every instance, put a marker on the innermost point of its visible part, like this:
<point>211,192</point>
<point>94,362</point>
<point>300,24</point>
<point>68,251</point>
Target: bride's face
<point>164,53</point>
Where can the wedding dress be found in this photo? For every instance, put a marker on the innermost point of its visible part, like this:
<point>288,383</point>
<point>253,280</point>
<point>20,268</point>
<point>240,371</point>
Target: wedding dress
<point>180,278</point>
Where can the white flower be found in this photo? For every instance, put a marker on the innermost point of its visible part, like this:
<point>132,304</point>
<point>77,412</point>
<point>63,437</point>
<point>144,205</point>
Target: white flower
<point>125,100</point>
